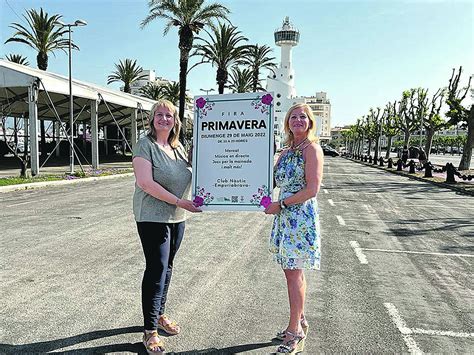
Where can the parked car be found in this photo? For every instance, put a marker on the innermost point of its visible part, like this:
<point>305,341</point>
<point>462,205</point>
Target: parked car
<point>327,150</point>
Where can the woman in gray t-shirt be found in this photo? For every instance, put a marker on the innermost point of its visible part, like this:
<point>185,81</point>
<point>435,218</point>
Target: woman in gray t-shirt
<point>160,202</point>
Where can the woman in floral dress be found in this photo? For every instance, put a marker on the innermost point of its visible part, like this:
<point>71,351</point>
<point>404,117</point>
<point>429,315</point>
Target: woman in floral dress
<point>295,237</point>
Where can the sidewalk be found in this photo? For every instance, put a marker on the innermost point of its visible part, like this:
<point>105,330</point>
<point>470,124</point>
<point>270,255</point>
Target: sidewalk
<point>462,186</point>
<point>9,169</point>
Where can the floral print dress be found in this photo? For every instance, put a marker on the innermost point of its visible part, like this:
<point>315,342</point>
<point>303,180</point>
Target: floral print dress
<point>295,240</point>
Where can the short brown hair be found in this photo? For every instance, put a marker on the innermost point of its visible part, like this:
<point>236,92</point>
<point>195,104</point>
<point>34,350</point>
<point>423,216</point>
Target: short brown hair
<point>173,138</point>
<point>312,124</point>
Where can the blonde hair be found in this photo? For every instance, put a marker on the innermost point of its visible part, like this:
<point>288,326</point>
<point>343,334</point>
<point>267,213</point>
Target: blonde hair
<point>173,138</point>
<point>312,124</point>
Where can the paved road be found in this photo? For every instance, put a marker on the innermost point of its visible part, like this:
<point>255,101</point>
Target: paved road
<point>441,159</point>
<point>71,267</point>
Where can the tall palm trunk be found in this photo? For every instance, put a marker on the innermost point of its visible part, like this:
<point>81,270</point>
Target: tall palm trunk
<point>42,60</point>
<point>255,79</point>
<point>185,46</point>
<point>221,79</point>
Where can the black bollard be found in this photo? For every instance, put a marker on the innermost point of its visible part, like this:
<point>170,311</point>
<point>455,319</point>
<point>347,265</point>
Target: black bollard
<point>380,161</point>
<point>400,165</point>
<point>450,173</point>
<point>390,163</point>
<point>365,158</point>
<point>375,161</point>
<point>428,169</point>
<point>370,159</point>
<point>412,165</point>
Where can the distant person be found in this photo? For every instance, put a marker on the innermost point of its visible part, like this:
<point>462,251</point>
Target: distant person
<point>162,192</point>
<point>295,236</point>
<point>421,157</point>
<point>405,154</point>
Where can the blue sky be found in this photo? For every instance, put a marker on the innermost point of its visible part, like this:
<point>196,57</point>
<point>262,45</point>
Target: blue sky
<point>362,53</point>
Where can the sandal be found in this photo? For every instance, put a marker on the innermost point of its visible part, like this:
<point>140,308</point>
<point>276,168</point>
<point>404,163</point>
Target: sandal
<point>304,324</point>
<point>170,327</point>
<point>293,345</point>
<point>153,347</point>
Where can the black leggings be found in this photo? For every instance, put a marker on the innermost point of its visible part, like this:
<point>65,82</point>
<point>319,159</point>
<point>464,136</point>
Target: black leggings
<point>160,242</point>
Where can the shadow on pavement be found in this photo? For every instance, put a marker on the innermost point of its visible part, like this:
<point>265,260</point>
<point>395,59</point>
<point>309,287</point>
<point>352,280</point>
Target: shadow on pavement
<point>135,348</point>
<point>47,346</point>
<point>423,228</point>
<point>229,350</point>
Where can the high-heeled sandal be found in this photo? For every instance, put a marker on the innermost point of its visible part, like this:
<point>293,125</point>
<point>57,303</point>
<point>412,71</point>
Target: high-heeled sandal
<point>294,345</point>
<point>153,347</point>
<point>304,324</point>
<point>170,328</point>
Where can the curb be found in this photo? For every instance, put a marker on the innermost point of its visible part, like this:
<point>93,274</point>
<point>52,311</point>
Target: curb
<point>42,184</point>
<point>441,184</point>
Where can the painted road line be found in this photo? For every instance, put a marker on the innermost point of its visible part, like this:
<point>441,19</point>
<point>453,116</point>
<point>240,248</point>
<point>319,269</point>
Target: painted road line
<point>331,202</point>
<point>447,333</point>
<point>418,252</point>
<point>358,251</point>
<point>402,327</point>
<point>341,220</point>
<point>325,191</point>
<point>19,204</point>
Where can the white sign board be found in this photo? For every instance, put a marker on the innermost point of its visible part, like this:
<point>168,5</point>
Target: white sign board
<point>233,151</point>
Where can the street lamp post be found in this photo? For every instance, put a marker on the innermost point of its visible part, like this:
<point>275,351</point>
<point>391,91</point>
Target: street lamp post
<point>71,104</point>
<point>207,91</point>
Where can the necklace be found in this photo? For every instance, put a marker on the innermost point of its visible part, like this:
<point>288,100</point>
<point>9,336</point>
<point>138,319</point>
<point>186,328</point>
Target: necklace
<point>299,144</point>
<point>166,145</point>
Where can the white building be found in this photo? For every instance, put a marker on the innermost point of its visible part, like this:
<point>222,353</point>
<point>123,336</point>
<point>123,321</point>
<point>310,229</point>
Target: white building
<point>150,77</point>
<point>281,81</point>
<point>321,107</point>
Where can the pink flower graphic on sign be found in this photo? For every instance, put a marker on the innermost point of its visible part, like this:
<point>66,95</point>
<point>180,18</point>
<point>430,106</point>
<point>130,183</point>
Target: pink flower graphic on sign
<point>262,103</point>
<point>203,106</point>
<point>267,99</point>
<point>200,102</point>
<point>261,197</point>
<point>202,197</point>
<point>198,201</point>
<point>265,201</point>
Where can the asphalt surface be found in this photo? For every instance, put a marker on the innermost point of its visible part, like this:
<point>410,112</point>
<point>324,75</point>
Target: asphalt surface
<point>440,159</point>
<point>71,270</point>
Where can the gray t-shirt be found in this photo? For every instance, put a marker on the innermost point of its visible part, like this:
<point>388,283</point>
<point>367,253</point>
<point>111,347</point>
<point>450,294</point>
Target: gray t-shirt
<point>173,174</point>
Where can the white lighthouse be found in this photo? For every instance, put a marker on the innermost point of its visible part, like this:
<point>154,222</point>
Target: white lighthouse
<point>281,80</point>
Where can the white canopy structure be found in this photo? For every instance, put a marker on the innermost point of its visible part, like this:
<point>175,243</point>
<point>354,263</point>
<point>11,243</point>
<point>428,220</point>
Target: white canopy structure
<point>42,95</point>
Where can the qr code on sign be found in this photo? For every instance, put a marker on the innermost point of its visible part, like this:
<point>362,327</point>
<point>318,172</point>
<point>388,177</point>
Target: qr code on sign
<point>235,199</point>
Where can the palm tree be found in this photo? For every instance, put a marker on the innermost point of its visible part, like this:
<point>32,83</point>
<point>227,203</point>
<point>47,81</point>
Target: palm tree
<point>44,35</point>
<point>128,72</point>
<point>17,58</point>
<point>257,58</point>
<point>190,16</point>
<point>171,91</point>
<point>222,50</point>
<point>241,80</point>
<point>152,91</point>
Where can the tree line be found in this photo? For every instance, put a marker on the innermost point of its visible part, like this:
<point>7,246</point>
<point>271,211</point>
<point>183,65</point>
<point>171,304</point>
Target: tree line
<point>417,110</point>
